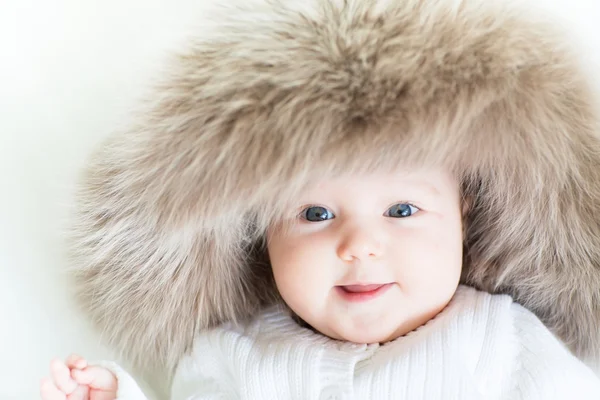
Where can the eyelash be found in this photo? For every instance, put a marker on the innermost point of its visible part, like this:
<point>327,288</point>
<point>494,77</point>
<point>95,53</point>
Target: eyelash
<point>410,204</point>
<point>303,210</point>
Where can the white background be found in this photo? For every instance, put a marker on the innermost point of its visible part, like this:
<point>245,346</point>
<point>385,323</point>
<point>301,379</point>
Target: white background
<point>69,71</point>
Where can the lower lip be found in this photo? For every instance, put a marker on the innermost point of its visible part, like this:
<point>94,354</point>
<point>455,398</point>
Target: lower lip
<point>357,297</point>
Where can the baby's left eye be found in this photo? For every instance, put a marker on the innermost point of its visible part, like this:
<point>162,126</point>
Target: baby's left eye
<point>401,210</point>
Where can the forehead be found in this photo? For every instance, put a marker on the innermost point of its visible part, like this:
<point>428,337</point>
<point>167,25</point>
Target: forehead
<point>433,183</point>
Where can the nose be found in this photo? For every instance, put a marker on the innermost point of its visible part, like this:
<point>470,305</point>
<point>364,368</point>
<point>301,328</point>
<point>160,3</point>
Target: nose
<point>360,243</point>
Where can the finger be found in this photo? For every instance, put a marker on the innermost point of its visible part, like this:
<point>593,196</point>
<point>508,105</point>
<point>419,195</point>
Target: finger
<point>49,391</point>
<point>96,377</point>
<point>81,393</point>
<point>76,361</point>
<point>62,376</point>
<point>99,395</point>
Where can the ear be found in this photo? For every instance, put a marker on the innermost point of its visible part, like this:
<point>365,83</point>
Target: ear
<point>466,204</point>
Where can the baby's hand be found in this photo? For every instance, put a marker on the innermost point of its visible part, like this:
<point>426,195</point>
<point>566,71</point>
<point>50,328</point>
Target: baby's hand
<point>75,380</point>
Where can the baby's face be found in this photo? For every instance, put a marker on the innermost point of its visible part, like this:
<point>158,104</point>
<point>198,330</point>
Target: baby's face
<point>371,258</point>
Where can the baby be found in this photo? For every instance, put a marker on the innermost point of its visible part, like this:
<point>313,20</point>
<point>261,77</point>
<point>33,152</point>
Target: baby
<point>350,200</point>
<point>366,259</point>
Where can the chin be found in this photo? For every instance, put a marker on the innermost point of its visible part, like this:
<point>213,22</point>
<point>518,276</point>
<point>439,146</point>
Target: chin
<point>369,337</point>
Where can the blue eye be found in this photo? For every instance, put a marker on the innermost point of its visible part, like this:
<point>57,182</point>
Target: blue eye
<point>401,210</point>
<point>316,214</point>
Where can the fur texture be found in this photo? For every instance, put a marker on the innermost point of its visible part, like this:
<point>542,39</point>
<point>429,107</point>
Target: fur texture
<point>171,213</point>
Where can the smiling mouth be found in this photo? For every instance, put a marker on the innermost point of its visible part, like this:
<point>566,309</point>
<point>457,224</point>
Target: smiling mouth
<point>361,288</point>
<point>360,293</point>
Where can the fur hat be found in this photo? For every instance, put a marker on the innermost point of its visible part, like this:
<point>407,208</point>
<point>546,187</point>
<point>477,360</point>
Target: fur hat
<point>171,213</point>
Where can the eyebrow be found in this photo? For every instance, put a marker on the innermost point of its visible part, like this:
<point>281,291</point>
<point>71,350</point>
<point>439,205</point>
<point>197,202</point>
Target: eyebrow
<point>427,187</point>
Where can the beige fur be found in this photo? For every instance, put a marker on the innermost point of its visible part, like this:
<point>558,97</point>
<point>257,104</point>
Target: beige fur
<point>171,213</point>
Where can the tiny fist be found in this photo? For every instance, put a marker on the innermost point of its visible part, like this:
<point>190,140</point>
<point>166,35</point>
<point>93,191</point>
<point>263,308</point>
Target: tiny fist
<point>81,377</point>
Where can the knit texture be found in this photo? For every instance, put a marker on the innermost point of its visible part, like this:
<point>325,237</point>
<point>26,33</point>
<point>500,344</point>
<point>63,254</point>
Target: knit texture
<point>480,346</point>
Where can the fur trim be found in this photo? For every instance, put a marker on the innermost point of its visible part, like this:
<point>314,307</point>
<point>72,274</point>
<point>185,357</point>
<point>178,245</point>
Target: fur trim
<point>171,212</point>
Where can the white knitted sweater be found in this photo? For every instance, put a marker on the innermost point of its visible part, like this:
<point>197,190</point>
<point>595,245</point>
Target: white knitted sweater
<point>480,347</point>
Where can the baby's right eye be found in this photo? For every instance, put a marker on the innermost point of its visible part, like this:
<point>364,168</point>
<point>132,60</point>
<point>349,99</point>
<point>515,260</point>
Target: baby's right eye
<point>316,214</point>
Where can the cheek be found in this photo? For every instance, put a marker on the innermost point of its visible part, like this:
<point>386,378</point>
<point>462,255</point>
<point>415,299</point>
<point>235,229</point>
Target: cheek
<point>300,265</point>
<point>430,254</point>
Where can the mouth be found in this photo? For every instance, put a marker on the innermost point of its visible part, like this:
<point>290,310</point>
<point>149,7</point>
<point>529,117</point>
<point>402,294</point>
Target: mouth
<point>360,293</point>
